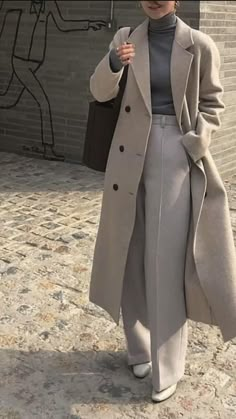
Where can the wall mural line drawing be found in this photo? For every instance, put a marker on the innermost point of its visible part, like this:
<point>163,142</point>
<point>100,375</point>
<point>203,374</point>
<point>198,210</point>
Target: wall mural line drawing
<point>28,55</point>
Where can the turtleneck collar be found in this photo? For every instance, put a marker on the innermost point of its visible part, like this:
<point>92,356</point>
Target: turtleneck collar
<point>165,22</point>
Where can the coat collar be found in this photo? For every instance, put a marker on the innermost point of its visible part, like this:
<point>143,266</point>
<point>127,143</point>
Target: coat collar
<point>181,61</point>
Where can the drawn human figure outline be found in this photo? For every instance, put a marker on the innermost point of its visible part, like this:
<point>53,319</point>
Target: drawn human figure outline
<point>28,55</point>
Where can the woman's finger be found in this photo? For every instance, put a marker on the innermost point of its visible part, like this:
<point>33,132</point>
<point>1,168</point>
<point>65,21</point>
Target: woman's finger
<point>128,61</point>
<point>121,54</point>
<point>127,47</point>
<point>127,56</point>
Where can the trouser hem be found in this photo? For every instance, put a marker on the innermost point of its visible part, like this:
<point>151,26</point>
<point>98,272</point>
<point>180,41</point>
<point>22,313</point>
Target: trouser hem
<point>170,383</point>
<point>138,359</point>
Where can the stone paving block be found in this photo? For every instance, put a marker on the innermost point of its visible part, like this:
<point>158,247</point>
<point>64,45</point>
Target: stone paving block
<point>217,378</point>
<point>61,357</point>
<point>229,400</point>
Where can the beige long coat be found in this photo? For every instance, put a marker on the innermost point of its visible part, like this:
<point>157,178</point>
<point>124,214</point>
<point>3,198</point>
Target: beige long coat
<point>210,279</point>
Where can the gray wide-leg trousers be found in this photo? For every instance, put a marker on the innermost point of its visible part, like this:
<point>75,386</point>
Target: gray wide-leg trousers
<point>153,300</point>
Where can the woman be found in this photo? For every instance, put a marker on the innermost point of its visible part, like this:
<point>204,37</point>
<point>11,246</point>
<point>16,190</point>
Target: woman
<point>165,249</point>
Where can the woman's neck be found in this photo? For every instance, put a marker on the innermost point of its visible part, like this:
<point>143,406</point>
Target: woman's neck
<point>167,21</point>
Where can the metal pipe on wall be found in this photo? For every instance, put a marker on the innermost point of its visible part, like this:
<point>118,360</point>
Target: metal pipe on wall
<point>112,25</point>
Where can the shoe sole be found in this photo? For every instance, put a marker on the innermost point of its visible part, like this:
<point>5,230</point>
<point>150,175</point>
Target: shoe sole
<point>166,398</point>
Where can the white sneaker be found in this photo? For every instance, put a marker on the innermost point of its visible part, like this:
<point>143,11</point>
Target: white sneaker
<point>141,370</point>
<point>160,396</point>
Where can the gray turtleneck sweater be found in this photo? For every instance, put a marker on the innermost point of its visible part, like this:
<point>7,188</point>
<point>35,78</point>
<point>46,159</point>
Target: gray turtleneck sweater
<point>161,34</point>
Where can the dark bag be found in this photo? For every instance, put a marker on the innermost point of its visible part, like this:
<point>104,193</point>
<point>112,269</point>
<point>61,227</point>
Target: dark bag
<point>101,124</point>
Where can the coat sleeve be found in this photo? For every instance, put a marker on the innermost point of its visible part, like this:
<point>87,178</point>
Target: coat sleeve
<point>210,103</point>
<point>104,83</point>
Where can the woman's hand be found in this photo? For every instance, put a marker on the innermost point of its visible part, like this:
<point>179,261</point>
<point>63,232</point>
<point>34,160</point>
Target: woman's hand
<point>126,53</point>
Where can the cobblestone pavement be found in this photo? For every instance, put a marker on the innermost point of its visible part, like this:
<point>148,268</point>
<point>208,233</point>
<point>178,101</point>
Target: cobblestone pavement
<point>62,357</point>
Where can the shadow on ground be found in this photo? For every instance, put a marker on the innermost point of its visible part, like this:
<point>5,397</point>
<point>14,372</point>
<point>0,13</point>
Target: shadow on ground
<point>42,383</point>
<point>22,174</point>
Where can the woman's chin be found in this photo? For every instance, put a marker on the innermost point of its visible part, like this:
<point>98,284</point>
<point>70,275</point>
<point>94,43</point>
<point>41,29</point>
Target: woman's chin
<point>156,14</point>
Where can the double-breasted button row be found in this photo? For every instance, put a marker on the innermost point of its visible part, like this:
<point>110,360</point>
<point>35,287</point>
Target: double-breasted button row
<point>122,149</point>
<point>116,187</point>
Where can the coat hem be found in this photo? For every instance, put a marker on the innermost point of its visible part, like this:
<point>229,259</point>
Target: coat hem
<point>116,319</point>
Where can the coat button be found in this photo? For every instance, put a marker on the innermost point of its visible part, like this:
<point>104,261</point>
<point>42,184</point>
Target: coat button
<point>127,109</point>
<point>122,148</point>
<point>115,187</point>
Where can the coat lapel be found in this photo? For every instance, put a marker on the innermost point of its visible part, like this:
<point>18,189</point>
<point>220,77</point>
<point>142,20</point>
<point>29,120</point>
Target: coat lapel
<point>181,61</point>
<point>140,65</point>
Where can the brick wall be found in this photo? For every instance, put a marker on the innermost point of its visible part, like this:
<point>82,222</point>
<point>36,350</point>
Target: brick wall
<point>70,58</point>
<point>218,19</point>
<point>189,11</point>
